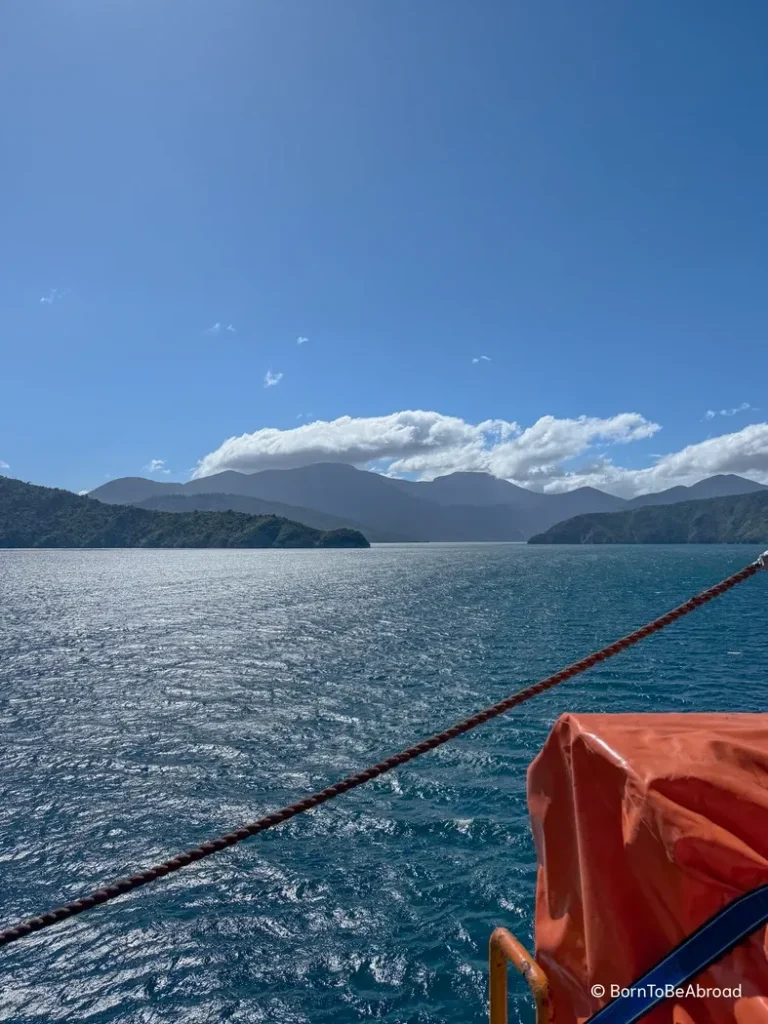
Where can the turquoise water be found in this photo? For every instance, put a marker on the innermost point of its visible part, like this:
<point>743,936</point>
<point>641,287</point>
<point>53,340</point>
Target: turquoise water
<point>150,700</point>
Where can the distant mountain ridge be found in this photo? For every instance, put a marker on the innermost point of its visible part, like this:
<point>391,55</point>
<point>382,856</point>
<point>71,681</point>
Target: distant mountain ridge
<point>735,519</point>
<point>456,507</point>
<point>339,490</point>
<point>720,486</point>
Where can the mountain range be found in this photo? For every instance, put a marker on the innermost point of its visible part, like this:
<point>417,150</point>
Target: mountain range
<point>456,507</point>
<point>45,517</point>
<point>735,519</point>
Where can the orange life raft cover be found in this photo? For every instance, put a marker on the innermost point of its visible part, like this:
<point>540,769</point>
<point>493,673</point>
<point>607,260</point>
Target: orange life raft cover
<point>645,826</point>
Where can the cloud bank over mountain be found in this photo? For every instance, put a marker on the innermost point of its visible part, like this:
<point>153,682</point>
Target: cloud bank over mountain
<point>551,454</point>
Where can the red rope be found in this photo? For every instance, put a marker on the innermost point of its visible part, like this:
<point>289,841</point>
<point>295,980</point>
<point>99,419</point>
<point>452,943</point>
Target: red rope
<point>111,892</point>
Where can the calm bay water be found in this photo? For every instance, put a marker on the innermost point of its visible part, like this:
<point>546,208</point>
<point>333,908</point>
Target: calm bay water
<point>152,699</point>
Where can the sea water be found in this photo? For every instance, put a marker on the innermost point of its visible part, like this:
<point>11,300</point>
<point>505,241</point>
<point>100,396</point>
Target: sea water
<point>150,700</point>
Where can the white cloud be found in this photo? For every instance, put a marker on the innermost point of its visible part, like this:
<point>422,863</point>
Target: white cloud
<point>231,328</point>
<point>533,456</point>
<point>429,444</point>
<point>271,379</point>
<point>478,359</point>
<point>53,296</point>
<point>711,413</point>
<point>550,455</point>
<point>215,329</point>
<point>744,452</point>
<point>83,493</point>
<point>4,465</point>
<point>301,340</point>
<point>156,466</point>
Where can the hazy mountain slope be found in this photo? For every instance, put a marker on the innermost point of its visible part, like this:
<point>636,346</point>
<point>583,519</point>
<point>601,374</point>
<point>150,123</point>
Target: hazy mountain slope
<point>256,506</point>
<point>468,489</point>
<point>127,490</point>
<point>712,487</point>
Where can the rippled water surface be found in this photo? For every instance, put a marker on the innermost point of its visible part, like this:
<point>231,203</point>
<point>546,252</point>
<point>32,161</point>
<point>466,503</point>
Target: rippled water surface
<point>152,699</point>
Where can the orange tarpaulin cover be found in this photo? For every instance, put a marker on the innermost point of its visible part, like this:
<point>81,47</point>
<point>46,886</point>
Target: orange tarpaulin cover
<point>645,826</point>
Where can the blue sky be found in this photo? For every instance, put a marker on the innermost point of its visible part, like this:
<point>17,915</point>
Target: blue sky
<point>576,191</point>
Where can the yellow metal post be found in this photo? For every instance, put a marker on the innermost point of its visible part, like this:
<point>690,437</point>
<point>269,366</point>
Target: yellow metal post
<point>504,948</point>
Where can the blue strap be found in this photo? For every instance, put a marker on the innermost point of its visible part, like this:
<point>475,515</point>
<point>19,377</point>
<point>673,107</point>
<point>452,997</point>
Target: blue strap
<point>708,944</point>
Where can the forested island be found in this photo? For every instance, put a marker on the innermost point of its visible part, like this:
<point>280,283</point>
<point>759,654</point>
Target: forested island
<point>737,519</point>
<point>46,517</point>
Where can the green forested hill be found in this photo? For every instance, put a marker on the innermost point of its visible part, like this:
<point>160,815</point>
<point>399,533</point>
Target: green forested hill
<point>738,519</point>
<point>44,517</point>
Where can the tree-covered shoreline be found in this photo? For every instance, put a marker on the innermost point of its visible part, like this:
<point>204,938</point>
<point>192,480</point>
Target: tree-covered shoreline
<point>46,517</point>
<point>737,519</point>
